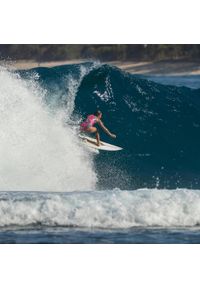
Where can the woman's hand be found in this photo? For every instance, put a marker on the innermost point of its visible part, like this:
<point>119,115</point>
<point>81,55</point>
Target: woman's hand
<point>113,135</point>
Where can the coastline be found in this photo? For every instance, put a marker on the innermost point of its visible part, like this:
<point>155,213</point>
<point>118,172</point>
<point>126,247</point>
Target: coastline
<point>168,68</point>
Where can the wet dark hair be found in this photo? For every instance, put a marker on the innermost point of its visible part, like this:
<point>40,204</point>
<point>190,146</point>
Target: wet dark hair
<point>97,113</point>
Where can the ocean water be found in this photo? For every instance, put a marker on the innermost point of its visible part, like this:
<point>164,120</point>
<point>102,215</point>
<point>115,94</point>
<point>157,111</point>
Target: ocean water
<point>191,81</point>
<point>54,190</point>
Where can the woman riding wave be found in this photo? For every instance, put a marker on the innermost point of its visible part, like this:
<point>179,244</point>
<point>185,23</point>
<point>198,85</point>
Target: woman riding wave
<point>90,121</point>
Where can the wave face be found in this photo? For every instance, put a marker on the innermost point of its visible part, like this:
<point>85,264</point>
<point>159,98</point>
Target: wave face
<point>157,125</point>
<point>105,209</point>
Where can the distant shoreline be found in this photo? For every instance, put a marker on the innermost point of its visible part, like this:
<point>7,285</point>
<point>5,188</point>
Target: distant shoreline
<point>176,67</point>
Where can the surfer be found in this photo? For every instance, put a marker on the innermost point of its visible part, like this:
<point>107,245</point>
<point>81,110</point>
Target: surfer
<point>91,120</point>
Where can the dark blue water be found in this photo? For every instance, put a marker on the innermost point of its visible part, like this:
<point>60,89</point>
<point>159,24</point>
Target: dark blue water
<point>157,125</point>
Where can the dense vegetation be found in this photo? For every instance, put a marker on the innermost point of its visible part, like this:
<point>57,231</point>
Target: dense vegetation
<point>102,52</point>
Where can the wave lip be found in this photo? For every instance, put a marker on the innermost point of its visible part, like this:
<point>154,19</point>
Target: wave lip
<point>111,209</point>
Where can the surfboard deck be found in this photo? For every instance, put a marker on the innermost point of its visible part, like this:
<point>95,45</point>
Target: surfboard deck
<point>92,143</point>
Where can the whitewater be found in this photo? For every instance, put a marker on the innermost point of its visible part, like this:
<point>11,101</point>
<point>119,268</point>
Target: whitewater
<point>54,190</point>
<point>37,151</point>
<point>102,209</point>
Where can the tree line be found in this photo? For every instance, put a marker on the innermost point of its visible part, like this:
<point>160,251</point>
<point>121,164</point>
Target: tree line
<point>103,52</point>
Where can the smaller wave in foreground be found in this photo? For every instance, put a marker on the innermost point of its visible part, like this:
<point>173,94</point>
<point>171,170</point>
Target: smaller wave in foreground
<point>101,209</point>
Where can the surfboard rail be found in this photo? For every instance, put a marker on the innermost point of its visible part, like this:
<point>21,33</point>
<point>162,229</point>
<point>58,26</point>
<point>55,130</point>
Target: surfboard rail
<point>92,143</point>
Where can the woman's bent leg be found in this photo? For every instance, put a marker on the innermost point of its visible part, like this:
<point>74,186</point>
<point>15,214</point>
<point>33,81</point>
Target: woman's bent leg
<point>94,130</point>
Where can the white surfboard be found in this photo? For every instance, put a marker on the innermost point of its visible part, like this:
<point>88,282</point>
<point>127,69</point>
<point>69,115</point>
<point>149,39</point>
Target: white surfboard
<point>92,143</point>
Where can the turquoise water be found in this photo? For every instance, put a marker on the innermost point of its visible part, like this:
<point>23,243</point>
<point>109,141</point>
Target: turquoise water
<point>146,193</point>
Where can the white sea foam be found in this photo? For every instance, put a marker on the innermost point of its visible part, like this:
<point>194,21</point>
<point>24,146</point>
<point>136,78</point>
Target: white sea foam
<point>37,151</point>
<point>102,209</point>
